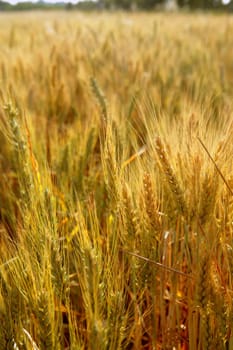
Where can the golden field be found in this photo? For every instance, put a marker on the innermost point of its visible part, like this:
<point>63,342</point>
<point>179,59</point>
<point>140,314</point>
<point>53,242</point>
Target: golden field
<point>116,181</point>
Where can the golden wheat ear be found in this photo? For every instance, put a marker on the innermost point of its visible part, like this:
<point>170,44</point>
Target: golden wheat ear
<point>172,180</point>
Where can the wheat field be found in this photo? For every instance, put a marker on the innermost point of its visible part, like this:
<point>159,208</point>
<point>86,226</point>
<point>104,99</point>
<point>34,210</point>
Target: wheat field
<point>116,181</point>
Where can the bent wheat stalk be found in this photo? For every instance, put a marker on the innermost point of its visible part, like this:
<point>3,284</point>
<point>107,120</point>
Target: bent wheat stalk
<point>171,269</point>
<point>217,168</point>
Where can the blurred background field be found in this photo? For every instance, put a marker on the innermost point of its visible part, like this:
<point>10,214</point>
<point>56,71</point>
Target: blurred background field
<point>116,181</point>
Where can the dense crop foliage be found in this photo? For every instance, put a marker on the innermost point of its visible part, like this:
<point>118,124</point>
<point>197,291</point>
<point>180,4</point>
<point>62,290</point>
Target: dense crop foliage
<point>116,181</point>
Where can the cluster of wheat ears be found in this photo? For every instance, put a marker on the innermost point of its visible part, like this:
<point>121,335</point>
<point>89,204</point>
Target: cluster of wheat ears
<point>116,181</point>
